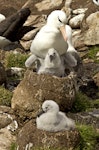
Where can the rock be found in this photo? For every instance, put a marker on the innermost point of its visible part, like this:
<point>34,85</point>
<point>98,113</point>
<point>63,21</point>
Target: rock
<point>34,89</point>
<point>12,46</point>
<point>96,79</point>
<point>2,17</point>
<point>89,118</point>
<point>91,8</point>
<point>15,72</point>
<point>97,55</point>
<point>95,113</point>
<point>44,6</point>
<point>26,44</point>
<point>35,20</point>
<point>87,60</point>
<point>8,125</point>
<point>5,109</point>
<point>6,139</point>
<point>30,135</point>
<point>92,34</point>
<point>76,21</point>
<point>78,39</point>
<point>89,29</point>
<point>2,74</point>
<point>30,35</point>
<point>79,11</point>
<point>4,120</point>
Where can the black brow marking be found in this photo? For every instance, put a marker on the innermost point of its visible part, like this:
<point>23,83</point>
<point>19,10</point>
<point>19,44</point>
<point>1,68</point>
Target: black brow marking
<point>59,20</point>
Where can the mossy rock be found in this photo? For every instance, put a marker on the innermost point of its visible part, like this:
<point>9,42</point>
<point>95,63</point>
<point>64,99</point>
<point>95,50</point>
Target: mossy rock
<point>34,89</point>
<point>44,140</point>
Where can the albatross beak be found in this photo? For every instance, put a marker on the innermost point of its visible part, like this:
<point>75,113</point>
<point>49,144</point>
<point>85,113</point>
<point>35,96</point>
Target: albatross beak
<point>40,113</point>
<point>63,31</point>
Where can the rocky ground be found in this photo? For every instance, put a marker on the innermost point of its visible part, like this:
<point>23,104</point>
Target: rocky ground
<point>20,99</point>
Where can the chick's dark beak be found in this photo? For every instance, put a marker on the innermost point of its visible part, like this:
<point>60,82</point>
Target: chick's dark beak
<point>40,113</point>
<point>51,57</point>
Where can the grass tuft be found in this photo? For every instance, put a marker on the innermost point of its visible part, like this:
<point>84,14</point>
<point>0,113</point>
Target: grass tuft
<point>82,103</point>
<point>92,53</point>
<point>89,137</point>
<point>16,60</point>
<point>5,96</point>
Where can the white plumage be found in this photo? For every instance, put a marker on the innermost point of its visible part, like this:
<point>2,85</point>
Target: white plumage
<point>52,64</point>
<point>52,119</point>
<point>96,2</point>
<point>55,34</point>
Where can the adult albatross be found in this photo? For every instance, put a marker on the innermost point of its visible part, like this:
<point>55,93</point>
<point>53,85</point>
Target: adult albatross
<point>12,29</point>
<point>56,34</point>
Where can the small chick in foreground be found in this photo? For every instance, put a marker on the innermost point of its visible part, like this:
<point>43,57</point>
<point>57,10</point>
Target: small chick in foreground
<point>53,120</point>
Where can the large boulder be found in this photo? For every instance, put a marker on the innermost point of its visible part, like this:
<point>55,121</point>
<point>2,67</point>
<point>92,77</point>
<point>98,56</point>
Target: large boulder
<point>30,136</point>
<point>92,34</point>
<point>76,21</point>
<point>34,89</point>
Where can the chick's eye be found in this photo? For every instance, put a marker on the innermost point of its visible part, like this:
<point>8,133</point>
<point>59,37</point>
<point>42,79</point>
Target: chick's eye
<point>59,20</point>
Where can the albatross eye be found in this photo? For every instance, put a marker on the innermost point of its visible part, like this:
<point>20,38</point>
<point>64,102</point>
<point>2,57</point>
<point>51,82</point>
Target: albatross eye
<point>59,20</point>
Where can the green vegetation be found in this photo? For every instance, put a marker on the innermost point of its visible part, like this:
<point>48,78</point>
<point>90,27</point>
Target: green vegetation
<point>5,96</point>
<point>89,137</point>
<point>81,103</point>
<point>95,103</point>
<point>92,53</point>
<point>13,146</point>
<point>84,103</point>
<point>42,148</point>
<point>16,60</point>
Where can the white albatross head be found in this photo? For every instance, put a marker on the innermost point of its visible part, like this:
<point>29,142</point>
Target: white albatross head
<point>52,59</point>
<point>50,106</point>
<point>96,2</point>
<point>58,19</point>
